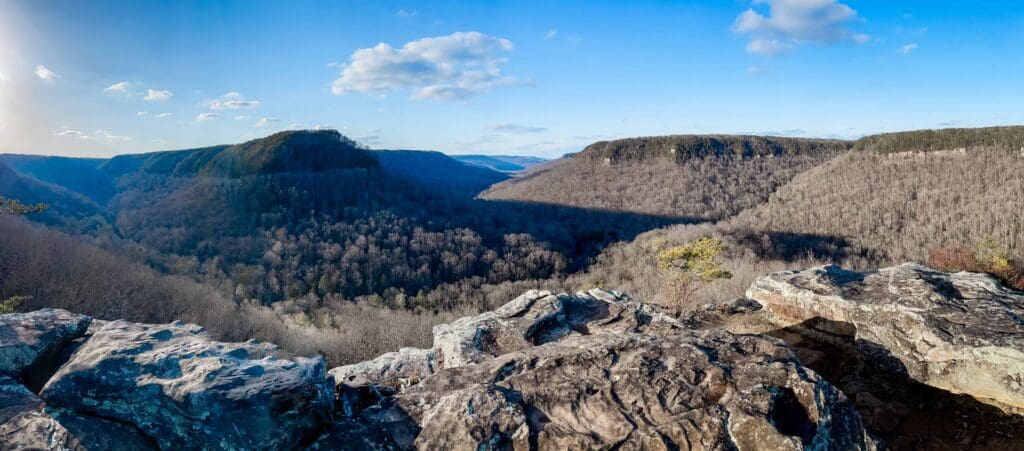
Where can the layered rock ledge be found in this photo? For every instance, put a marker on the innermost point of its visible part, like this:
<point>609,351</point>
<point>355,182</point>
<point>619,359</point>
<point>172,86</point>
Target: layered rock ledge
<point>594,370</point>
<point>960,332</point>
<point>122,385</point>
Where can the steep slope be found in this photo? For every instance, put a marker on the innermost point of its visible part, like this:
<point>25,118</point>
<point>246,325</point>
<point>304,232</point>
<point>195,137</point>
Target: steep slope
<point>438,171</point>
<point>898,206</point>
<point>502,163</point>
<point>861,209</point>
<point>67,210</point>
<point>709,177</point>
<point>289,151</point>
<point>309,214</point>
<point>80,175</point>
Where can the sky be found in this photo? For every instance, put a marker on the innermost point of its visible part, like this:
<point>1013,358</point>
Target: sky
<point>100,78</point>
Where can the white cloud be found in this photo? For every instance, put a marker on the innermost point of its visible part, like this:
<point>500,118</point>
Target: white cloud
<point>517,129</point>
<point>791,23</point>
<point>120,87</point>
<point>153,94</point>
<point>203,117</point>
<point>551,33</point>
<point>906,49</point>
<point>240,118</point>
<point>111,137</point>
<point>44,73</point>
<point>161,115</point>
<point>266,121</point>
<point>66,132</point>
<point>233,101</point>
<point>451,67</point>
<point>295,126</point>
<point>404,13</point>
<point>142,113</point>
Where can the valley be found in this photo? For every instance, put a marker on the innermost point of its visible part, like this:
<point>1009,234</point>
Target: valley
<point>310,241</point>
<point>299,231</point>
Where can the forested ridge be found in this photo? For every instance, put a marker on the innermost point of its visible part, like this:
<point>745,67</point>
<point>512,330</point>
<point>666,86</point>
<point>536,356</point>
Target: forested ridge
<point>309,240</point>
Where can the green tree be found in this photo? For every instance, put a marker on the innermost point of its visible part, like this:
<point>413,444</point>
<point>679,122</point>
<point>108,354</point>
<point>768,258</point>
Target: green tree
<point>684,268</point>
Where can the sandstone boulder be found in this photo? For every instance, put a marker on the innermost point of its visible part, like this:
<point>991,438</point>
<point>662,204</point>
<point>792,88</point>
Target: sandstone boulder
<point>28,338</point>
<point>535,318</point>
<point>961,332</point>
<point>691,390</point>
<point>594,370</point>
<point>184,391</point>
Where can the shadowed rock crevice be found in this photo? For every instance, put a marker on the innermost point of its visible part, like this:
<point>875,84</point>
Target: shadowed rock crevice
<point>958,332</point>
<point>790,417</point>
<point>904,413</point>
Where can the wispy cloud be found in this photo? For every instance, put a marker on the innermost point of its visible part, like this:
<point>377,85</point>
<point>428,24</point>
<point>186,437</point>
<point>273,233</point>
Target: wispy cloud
<point>142,113</point>
<point>98,134</point>
<point>790,23</point>
<point>233,101</point>
<point>404,13</point>
<point>120,87</point>
<point>263,122</point>
<point>111,137</point>
<point>908,48</point>
<point>453,67</point>
<point>204,117</point>
<point>155,95</point>
<point>162,115</point>
<point>516,129</point>
<point>240,117</point>
<point>45,73</point>
<point>68,133</point>
<point>551,34</point>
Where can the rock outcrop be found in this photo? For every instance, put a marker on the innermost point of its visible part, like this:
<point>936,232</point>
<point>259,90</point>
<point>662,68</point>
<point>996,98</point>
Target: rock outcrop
<point>590,371</point>
<point>816,359</point>
<point>181,389</point>
<point>533,319</point>
<point>24,423</point>
<point>961,332</point>
<point>28,338</point>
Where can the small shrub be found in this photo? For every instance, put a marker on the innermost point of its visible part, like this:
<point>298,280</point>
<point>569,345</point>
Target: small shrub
<point>10,305</point>
<point>987,257</point>
<point>685,267</point>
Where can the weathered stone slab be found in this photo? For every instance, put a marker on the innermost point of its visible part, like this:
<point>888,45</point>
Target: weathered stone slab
<point>960,332</point>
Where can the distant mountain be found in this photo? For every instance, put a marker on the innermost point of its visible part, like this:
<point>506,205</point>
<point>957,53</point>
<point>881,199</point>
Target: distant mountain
<point>68,211</point>
<point>310,213</point>
<point>1007,138</point>
<point>502,163</point>
<point>81,175</point>
<point>438,170</point>
<point>704,176</point>
<point>290,151</point>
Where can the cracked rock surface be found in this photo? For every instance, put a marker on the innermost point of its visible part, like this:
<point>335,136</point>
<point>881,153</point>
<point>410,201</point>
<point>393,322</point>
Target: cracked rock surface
<point>959,332</point>
<point>594,370</point>
<point>180,388</point>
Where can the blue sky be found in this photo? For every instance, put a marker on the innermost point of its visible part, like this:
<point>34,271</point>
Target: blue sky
<point>542,78</point>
